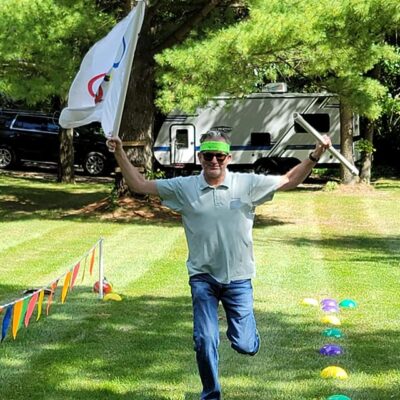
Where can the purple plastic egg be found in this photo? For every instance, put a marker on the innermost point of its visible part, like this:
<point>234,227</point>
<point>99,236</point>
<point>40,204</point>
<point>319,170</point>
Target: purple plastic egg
<point>330,308</point>
<point>331,350</point>
<point>329,302</point>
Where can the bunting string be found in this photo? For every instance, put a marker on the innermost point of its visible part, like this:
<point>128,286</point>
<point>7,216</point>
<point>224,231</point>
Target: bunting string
<point>19,311</point>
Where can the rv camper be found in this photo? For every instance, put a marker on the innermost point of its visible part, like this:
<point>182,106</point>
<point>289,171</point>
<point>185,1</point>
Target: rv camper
<point>264,136</point>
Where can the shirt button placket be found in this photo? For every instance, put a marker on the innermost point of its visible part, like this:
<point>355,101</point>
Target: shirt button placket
<point>217,198</point>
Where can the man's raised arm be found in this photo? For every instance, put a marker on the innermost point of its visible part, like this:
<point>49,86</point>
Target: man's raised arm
<point>134,179</point>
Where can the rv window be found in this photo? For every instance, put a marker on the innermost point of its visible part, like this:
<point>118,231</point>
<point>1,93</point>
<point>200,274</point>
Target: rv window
<point>320,122</point>
<point>260,139</point>
<point>182,138</point>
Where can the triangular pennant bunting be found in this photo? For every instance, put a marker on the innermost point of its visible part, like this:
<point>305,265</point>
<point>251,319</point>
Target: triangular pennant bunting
<point>23,311</point>
<point>31,307</point>
<point>16,317</point>
<point>51,296</point>
<point>84,269</point>
<point>40,304</point>
<point>6,322</point>
<point>75,274</point>
<point>19,312</point>
<point>92,261</point>
<point>67,281</point>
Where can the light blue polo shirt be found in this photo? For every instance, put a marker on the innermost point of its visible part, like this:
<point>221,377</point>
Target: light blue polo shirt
<point>218,221</point>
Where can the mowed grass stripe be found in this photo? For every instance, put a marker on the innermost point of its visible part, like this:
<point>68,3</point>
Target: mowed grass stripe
<point>15,233</point>
<point>364,255</point>
<point>281,249</point>
<point>134,250</point>
<point>49,254</point>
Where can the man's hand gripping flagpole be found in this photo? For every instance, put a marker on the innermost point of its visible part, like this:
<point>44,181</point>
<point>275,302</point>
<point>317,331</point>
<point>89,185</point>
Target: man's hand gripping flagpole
<point>301,121</point>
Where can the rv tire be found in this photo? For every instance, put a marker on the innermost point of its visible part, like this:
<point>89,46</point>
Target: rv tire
<point>267,167</point>
<point>275,166</point>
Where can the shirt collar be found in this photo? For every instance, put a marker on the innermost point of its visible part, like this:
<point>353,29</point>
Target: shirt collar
<point>225,183</point>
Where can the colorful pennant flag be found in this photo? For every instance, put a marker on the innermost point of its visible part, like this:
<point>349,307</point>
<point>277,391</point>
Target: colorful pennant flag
<point>67,281</point>
<point>16,317</point>
<point>53,288</point>
<point>31,307</point>
<point>6,322</point>
<point>75,274</point>
<point>92,261</point>
<point>84,268</point>
<point>23,311</point>
<point>40,304</point>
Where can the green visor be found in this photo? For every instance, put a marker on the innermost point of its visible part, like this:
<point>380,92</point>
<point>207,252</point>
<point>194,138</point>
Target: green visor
<point>215,146</point>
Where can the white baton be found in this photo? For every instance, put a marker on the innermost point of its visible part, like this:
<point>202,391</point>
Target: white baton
<point>301,121</point>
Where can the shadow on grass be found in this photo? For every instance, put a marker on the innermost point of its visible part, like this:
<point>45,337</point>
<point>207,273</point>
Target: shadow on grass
<point>387,185</point>
<point>24,202</point>
<point>35,198</point>
<point>21,202</point>
<point>358,247</point>
<point>141,348</point>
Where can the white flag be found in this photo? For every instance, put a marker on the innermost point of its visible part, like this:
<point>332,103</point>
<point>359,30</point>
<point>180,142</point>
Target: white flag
<point>99,89</point>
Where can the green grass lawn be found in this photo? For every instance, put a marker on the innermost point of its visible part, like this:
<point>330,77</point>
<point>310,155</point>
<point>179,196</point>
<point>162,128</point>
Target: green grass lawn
<point>308,243</point>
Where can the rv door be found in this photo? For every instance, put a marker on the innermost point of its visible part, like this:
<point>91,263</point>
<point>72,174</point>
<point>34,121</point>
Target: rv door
<point>182,144</point>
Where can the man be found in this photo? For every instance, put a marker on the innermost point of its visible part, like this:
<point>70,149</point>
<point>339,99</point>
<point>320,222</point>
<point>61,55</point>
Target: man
<point>217,209</point>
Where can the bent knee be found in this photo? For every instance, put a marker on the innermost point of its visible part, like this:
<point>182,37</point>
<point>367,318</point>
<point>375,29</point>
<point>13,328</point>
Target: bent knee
<point>205,342</point>
<point>245,347</point>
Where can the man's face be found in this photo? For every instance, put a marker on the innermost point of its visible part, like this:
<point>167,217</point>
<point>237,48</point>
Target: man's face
<point>214,163</point>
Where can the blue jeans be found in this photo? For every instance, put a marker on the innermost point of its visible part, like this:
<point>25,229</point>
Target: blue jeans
<point>237,300</point>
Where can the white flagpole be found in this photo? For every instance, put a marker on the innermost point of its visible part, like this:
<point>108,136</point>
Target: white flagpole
<point>130,55</point>
<point>301,121</point>
<point>101,269</point>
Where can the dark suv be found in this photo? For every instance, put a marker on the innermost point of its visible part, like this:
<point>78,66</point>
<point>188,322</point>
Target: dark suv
<point>30,137</point>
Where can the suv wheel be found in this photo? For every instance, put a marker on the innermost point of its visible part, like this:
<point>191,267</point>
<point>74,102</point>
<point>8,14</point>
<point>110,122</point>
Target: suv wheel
<point>7,157</point>
<point>94,164</point>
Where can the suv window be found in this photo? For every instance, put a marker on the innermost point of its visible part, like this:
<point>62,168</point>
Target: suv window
<point>35,124</point>
<point>52,127</point>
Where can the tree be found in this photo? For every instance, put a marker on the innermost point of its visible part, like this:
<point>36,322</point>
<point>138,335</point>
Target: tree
<point>386,130</point>
<point>41,47</point>
<point>47,31</point>
<point>166,24</point>
<point>332,45</point>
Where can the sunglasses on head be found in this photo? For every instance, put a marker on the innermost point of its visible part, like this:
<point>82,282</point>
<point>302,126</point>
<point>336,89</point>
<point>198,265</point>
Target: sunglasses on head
<point>219,156</point>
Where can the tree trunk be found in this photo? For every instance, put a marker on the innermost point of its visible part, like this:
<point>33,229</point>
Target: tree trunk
<point>137,125</point>
<point>66,162</point>
<point>346,141</point>
<point>138,117</point>
<point>366,157</point>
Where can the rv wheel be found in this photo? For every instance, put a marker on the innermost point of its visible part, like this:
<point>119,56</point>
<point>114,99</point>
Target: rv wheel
<point>267,167</point>
<point>288,163</point>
